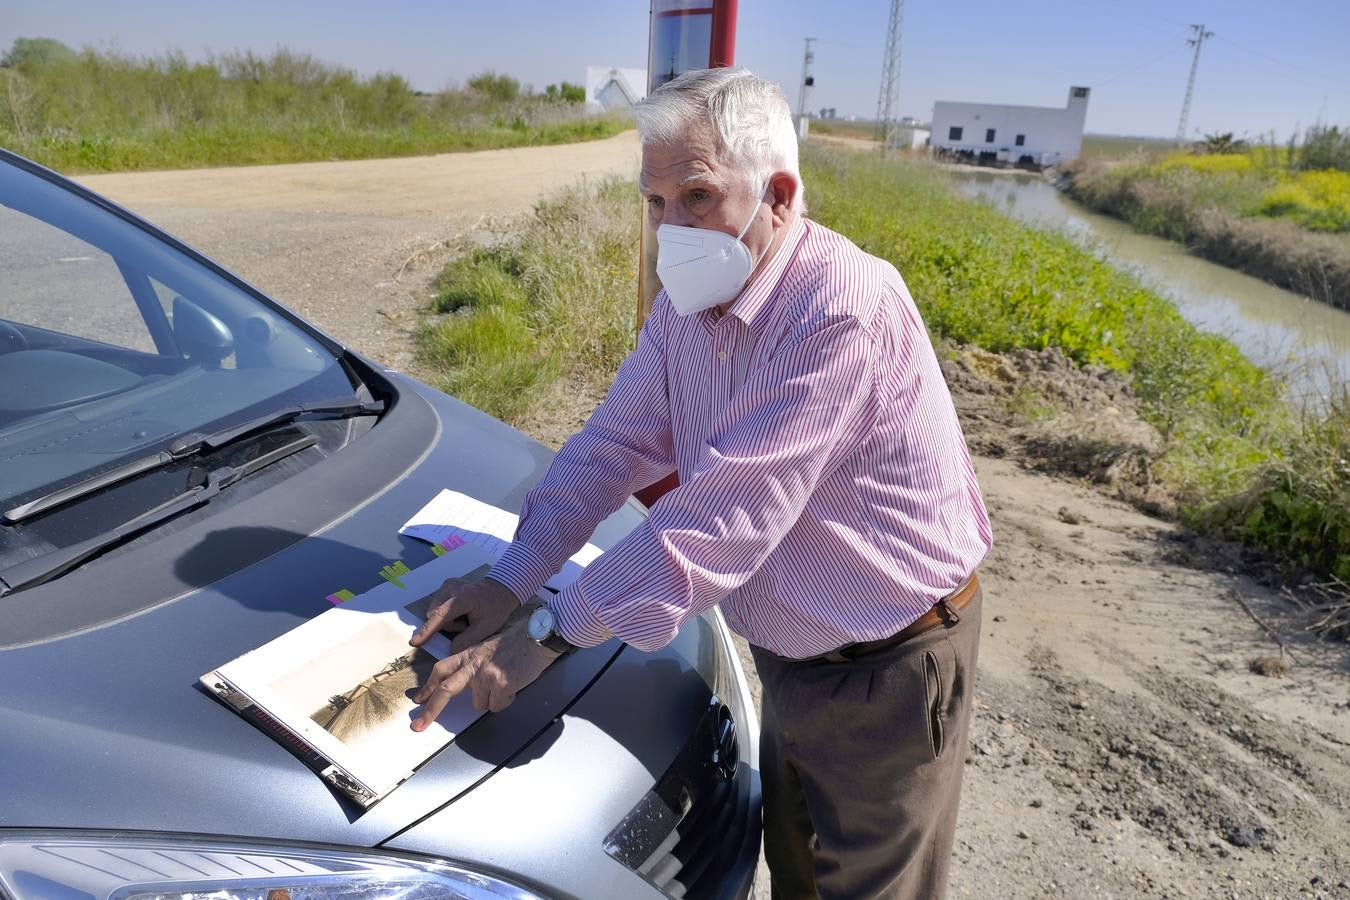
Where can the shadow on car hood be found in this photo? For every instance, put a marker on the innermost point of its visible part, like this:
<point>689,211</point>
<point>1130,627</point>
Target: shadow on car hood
<point>106,727</point>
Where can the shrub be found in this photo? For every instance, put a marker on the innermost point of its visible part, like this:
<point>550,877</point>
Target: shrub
<point>565,93</point>
<point>102,111</point>
<point>1323,148</point>
<point>501,88</point>
<point>33,52</point>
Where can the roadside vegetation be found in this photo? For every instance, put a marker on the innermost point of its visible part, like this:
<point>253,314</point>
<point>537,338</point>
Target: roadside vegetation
<point>1281,213</point>
<point>549,312</point>
<point>861,129</point>
<point>101,111</point>
<point>545,315</point>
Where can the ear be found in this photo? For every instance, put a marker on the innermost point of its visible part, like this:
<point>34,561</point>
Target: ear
<point>783,189</point>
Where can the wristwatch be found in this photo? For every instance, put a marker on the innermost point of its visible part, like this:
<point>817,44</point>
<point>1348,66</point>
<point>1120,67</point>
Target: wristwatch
<point>542,628</point>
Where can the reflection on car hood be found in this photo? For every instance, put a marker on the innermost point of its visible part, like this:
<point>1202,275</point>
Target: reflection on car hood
<point>107,728</point>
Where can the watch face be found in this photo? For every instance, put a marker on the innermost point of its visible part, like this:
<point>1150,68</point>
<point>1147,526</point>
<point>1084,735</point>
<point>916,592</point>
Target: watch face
<point>540,625</point>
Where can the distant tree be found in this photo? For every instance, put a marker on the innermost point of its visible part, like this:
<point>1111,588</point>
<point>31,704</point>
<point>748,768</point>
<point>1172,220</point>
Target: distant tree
<point>1323,148</point>
<point>36,52</point>
<point>565,93</point>
<point>502,88</point>
<point>1220,143</point>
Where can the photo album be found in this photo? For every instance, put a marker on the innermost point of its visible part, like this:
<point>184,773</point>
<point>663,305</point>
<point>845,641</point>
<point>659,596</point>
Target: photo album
<point>336,690</point>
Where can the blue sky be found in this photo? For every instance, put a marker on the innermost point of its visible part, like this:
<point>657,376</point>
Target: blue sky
<point>1269,67</point>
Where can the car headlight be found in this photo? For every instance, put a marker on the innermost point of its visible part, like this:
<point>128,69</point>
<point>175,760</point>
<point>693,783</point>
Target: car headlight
<point>119,866</point>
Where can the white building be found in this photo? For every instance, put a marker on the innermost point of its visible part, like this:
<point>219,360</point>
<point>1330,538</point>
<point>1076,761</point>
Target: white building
<point>608,87</point>
<point>912,134</point>
<point>1010,135</point>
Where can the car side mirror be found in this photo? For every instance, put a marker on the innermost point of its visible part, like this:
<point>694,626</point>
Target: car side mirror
<point>200,336</point>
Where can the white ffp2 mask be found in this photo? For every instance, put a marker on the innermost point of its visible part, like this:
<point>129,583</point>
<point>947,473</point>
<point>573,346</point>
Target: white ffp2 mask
<point>702,267</point>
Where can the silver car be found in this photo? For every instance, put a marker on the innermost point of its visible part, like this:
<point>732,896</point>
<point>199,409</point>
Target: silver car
<point>187,469</point>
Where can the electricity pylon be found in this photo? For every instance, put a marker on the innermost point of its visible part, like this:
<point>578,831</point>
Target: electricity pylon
<point>888,101</point>
<point>1200,35</point>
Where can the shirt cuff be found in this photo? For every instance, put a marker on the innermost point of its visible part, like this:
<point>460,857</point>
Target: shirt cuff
<point>576,621</point>
<point>522,570</point>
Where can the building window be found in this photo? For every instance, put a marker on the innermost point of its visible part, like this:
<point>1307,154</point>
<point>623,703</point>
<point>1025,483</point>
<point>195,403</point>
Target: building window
<point>989,135</point>
<point>1021,140</point>
<point>954,133</point>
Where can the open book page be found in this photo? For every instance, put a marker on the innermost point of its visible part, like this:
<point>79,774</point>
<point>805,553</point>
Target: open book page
<point>341,680</point>
<point>453,519</point>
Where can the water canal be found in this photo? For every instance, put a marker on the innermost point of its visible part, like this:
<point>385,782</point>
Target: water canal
<point>1307,340</point>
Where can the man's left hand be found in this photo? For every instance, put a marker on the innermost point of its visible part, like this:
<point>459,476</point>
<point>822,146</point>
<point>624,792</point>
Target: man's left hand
<point>493,669</point>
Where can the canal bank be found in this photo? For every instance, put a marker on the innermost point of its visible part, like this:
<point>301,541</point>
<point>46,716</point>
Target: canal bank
<point>1305,341</point>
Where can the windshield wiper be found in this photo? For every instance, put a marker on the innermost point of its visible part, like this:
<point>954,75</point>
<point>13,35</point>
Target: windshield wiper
<point>41,569</point>
<point>196,441</point>
<point>190,444</point>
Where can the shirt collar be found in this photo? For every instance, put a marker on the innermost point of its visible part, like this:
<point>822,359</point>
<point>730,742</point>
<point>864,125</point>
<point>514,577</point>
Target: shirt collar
<point>758,291</point>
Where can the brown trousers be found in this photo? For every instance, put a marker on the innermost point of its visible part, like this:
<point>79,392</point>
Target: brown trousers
<point>861,763</point>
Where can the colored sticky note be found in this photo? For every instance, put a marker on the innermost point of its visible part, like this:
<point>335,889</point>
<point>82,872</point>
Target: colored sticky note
<point>392,572</point>
<point>339,596</point>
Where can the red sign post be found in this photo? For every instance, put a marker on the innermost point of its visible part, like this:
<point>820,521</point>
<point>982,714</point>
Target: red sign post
<point>684,35</point>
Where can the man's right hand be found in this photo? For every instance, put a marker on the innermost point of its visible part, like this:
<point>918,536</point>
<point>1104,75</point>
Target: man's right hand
<point>484,604</point>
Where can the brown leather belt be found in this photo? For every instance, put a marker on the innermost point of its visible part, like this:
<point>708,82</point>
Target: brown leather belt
<point>942,613</point>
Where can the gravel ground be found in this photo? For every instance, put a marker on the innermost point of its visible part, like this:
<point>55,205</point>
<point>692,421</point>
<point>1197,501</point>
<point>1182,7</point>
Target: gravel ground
<point>1121,744</point>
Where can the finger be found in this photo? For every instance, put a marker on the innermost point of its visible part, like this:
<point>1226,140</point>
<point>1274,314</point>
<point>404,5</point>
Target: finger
<point>439,672</point>
<point>446,691</point>
<point>482,689</point>
<point>443,606</point>
<point>502,697</point>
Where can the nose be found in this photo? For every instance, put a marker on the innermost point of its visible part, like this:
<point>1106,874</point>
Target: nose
<point>673,214</point>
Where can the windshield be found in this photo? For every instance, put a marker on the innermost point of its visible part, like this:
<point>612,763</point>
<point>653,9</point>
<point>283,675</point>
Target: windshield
<point>113,343</point>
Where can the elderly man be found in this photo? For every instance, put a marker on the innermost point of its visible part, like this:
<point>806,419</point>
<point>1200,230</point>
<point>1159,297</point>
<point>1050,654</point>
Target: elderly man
<point>826,501</point>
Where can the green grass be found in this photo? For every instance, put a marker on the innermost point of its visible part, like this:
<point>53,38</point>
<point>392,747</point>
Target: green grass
<point>102,112</point>
<point>1111,146</point>
<point>552,307</point>
<point>548,312</point>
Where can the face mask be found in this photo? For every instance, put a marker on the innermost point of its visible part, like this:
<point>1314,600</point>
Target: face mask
<point>702,267</point>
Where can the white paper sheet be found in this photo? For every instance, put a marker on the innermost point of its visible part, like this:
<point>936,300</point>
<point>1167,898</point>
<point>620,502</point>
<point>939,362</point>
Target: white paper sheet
<point>451,518</point>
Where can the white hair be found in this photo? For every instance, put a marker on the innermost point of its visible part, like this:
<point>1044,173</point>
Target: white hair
<point>748,116</point>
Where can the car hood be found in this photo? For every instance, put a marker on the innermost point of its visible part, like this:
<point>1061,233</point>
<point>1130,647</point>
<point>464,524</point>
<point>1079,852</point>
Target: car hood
<point>106,727</point>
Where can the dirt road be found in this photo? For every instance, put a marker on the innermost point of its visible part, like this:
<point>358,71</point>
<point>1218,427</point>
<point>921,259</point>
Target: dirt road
<point>1121,746</point>
<point>351,245</point>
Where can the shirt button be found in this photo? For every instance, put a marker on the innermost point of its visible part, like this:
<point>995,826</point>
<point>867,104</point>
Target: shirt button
<point>722,355</point>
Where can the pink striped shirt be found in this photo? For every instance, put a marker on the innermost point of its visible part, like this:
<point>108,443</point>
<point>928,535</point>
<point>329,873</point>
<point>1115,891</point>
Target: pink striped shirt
<point>826,495</point>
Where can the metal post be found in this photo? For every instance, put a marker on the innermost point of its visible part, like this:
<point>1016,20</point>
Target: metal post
<point>888,99</point>
<point>1196,42</point>
<point>807,81</point>
<point>723,50</point>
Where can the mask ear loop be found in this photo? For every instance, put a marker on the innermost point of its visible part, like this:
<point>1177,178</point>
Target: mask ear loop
<point>759,198</point>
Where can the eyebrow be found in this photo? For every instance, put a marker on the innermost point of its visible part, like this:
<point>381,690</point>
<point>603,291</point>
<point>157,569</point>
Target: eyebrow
<point>696,178</point>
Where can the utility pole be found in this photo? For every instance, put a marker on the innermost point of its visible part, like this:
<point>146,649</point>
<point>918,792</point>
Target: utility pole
<point>888,101</point>
<point>808,80</point>
<point>1200,35</point>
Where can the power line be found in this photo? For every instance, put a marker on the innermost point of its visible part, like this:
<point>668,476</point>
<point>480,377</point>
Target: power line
<point>1338,83</point>
<point>1170,51</point>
